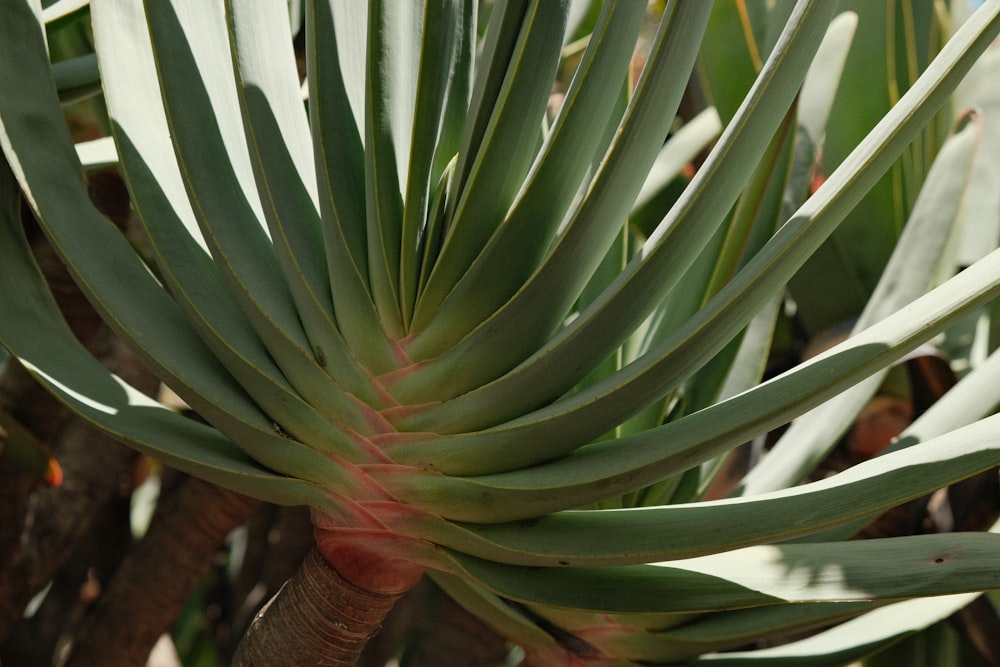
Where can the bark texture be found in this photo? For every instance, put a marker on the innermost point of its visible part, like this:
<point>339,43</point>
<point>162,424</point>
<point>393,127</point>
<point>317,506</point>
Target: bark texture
<point>318,618</point>
<point>150,588</point>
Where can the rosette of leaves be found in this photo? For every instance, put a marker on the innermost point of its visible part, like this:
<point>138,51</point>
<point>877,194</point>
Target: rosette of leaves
<point>400,293</point>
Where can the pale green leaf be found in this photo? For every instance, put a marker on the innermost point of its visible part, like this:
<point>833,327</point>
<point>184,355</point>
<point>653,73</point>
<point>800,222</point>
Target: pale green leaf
<point>561,426</point>
<point>923,565</point>
<point>281,153</point>
<point>503,155</point>
<point>911,271</point>
<point>158,193</point>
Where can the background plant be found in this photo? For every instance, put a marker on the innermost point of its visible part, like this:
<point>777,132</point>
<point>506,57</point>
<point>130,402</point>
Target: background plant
<point>420,312</point>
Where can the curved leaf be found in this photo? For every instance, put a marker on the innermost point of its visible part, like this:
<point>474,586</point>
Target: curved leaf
<point>647,534</point>
<point>570,422</point>
<point>280,150</point>
<point>36,141</point>
<point>591,337</point>
<point>36,334</point>
<point>158,194</point>
<point>335,56</point>
<point>914,265</point>
<point>194,66</point>
<point>521,240</point>
<point>923,565</point>
<point>851,640</point>
<point>629,463</point>
<point>519,327</point>
<point>504,153</point>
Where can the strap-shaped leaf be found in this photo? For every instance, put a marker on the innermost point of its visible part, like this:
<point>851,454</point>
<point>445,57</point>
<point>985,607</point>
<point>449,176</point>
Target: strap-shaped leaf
<point>77,78</point>
<point>777,189</point>
<point>742,627</point>
<point>36,142</point>
<point>280,150</point>
<point>394,47</point>
<point>35,332</point>
<point>335,55</point>
<point>669,252</point>
<point>680,149</point>
<point>446,57</point>
<point>643,535</point>
<point>505,338</point>
<point>629,463</point>
<point>902,48</point>
<point>500,615</point>
<point>975,396</point>
<point>923,565</point>
<point>567,424</point>
<point>578,134</point>
<point>194,65</point>
<point>849,641</point>
<point>505,153</point>
<point>751,223</point>
<point>913,267</point>
<point>157,188</point>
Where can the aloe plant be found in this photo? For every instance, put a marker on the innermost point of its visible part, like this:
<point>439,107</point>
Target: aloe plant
<point>403,295</point>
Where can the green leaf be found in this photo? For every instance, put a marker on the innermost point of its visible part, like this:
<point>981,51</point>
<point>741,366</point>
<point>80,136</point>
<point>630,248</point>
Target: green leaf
<point>914,265</point>
<point>77,78</point>
<point>199,96</point>
<point>503,154</point>
<point>534,312</point>
<point>975,396</point>
<point>500,615</point>
<point>36,142</point>
<point>979,219</point>
<point>279,143</point>
<point>158,192</point>
<point>679,150</point>
<point>642,535</point>
<point>394,41</point>
<point>629,463</point>
<point>893,44</point>
<point>923,565</point>
<point>570,422</point>
<point>729,60</point>
<point>335,56</point>
<point>851,640</point>
<point>743,627</point>
<point>591,337</point>
<point>517,246</point>
<point>36,334</point>
<point>441,101</point>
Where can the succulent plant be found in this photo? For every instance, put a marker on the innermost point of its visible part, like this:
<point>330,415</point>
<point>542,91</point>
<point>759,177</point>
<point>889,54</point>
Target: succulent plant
<point>406,293</point>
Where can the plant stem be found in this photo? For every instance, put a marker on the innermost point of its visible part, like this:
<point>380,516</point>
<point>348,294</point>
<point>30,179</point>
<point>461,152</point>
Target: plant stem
<point>318,618</point>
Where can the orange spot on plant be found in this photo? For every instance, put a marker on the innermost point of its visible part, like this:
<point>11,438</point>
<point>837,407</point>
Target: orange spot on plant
<point>53,474</point>
<point>818,179</point>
